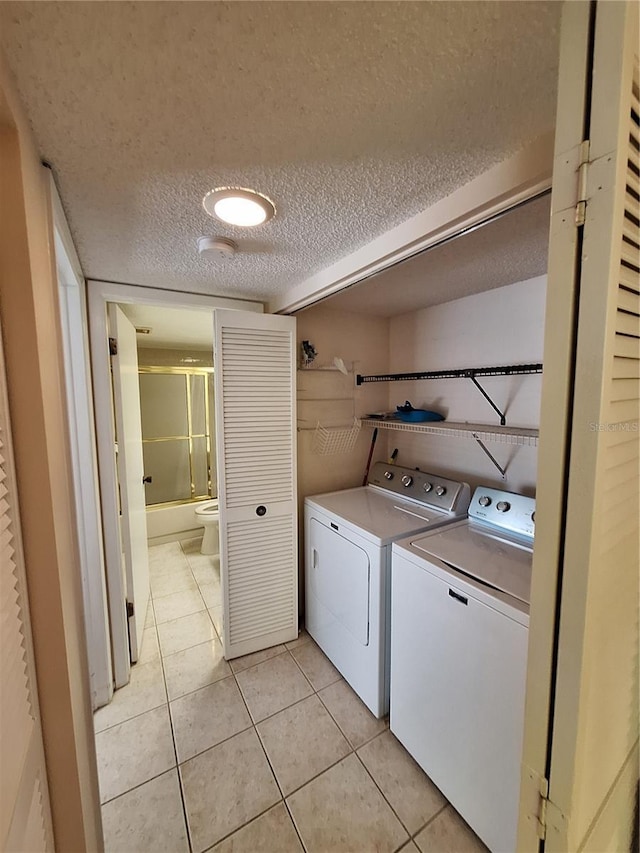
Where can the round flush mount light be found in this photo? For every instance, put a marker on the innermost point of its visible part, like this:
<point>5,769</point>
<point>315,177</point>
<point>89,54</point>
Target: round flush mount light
<point>238,206</point>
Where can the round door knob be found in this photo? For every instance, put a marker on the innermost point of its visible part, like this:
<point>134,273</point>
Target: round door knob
<point>503,506</point>
<point>388,475</point>
<point>440,491</point>
<point>261,510</point>
<point>407,480</point>
<point>427,487</point>
<point>485,500</point>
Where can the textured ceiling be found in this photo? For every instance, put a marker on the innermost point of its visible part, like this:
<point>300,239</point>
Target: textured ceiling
<point>352,116</point>
<point>509,249</point>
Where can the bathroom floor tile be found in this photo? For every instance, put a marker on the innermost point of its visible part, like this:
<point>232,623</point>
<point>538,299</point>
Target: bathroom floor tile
<point>150,649</point>
<point>165,559</point>
<point>177,581</point>
<point>301,742</point>
<point>193,668</point>
<point>342,811</point>
<point>187,631</point>
<point>238,664</point>
<point>225,787</point>
<point>272,832</point>
<point>208,716</point>
<point>149,738</point>
<point>354,718</point>
<point>315,665</point>
<point>191,546</point>
<point>178,604</point>
<point>211,593</point>
<point>273,685</point>
<point>145,691</point>
<point>216,617</point>
<point>150,817</point>
<point>448,833</point>
<point>412,795</point>
<point>205,569</point>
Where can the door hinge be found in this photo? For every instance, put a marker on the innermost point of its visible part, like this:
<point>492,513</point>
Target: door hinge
<point>542,811</point>
<point>583,171</point>
<point>113,346</point>
<point>129,609</point>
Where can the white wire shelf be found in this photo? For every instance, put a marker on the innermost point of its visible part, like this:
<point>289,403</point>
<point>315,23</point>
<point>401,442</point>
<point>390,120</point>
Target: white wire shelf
<point>451,429</point>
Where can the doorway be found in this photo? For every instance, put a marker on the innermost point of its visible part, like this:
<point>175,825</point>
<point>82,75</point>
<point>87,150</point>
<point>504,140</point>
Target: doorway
<point>100,296</point>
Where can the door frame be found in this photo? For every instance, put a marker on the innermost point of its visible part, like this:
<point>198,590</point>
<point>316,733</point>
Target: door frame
<point>99,295</point>
<point>73,319</point>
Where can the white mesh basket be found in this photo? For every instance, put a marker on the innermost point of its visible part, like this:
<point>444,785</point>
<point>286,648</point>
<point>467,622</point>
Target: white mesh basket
<point>330,441</point>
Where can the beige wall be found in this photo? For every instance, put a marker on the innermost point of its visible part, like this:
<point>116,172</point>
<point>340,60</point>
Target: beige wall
<point>31,330</point>
<point>502,326</point>
<point>333,399</point>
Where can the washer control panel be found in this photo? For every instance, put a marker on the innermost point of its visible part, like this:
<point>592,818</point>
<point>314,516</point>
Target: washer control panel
<point>505,510</point>
<point>427,489</point>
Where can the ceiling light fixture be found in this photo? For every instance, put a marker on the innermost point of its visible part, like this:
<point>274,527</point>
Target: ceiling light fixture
<point>238,206</point>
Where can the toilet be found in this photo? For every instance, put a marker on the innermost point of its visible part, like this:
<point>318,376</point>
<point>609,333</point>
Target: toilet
<point>207,515</point>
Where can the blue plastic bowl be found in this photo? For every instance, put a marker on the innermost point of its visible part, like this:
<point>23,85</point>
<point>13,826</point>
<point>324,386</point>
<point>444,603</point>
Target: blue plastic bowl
<point>417,415</point>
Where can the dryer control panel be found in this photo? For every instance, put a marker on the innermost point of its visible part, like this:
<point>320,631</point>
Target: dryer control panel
<point>420,486</point>
<point>504,510</point>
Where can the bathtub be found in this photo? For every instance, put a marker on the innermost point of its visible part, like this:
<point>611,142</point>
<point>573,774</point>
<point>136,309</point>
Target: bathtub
<point>172,523</point>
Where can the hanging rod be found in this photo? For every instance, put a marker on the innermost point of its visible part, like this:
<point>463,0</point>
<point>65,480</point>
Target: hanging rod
<point>459,373</point>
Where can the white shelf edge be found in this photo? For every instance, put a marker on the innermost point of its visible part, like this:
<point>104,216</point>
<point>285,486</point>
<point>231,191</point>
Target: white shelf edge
<point>450,429</point>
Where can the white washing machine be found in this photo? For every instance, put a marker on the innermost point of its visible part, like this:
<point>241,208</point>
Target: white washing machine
<point>459,633</point>
<point>348,536</point>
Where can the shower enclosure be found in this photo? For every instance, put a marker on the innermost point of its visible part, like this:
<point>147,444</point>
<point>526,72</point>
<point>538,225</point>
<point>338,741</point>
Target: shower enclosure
<point>176,406</point>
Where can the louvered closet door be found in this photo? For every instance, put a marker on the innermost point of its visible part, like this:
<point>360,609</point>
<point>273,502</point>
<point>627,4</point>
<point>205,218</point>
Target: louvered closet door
<point>25,819</point>
<point>594,754</point>
<point>254,362</point>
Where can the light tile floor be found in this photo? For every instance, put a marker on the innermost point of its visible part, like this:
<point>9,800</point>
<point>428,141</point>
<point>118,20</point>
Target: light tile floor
<point>270,753</point>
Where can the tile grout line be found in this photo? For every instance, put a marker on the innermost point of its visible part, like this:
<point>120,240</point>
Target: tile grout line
<point>273,773</point>
<point>370,775</point>
<point>175,751</point>
<point>183,801</point>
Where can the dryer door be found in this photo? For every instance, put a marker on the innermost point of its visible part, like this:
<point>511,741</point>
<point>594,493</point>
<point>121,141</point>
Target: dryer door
<point>338,576</point>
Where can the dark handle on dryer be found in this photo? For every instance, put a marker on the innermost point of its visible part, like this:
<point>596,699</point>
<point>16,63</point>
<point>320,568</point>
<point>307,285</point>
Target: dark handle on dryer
<point>458,597</point>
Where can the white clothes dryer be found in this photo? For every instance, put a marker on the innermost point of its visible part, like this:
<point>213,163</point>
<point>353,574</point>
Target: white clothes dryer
<point>459,634</point>
<point>348,536</point>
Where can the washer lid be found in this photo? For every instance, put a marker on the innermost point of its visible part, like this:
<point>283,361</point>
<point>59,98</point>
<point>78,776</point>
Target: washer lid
<point>377,515</point>
<point>492,558</point>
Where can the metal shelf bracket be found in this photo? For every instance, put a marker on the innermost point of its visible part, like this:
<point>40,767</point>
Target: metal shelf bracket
<point>503,471</point>
<point>503,419</point>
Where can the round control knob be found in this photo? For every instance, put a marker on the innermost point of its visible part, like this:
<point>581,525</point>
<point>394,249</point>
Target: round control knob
<point>388,475</point>
<point>407,480</point>
<point>503,506</point>
<point>440,491</point>
<point>485,500</point>
<point>427,487</point>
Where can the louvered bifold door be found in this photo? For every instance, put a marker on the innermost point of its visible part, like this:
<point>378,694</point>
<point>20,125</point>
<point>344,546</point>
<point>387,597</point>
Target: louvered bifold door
<point>594,755</point>
<point>254,364</point>
<point>25,820</point>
